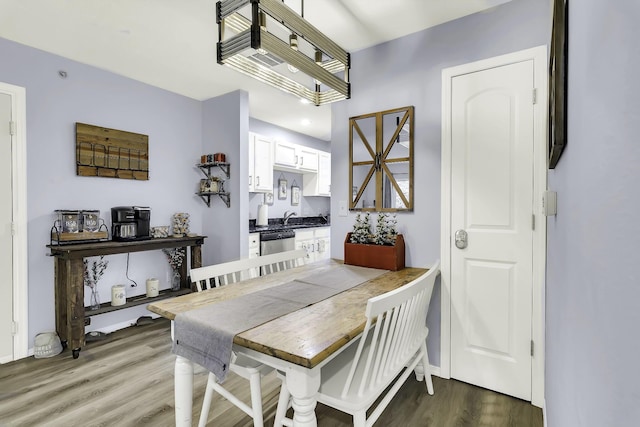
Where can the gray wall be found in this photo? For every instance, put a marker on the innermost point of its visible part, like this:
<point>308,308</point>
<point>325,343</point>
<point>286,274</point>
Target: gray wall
<point>97,97</point>
<point>180,130</point>
<point>225,122</point>
<point>593,314</point>
<point>408,71</point>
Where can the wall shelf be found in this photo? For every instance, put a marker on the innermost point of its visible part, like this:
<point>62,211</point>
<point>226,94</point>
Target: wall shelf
<point>206,197</point>
<point>205,168</point>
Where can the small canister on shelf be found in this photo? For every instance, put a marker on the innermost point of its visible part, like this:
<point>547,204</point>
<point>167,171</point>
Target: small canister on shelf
<point>153,286</point>
<point>118,295</point>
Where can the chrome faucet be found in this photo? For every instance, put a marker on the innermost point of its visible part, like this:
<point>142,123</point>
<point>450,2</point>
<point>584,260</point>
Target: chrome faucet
<point>286,216</point>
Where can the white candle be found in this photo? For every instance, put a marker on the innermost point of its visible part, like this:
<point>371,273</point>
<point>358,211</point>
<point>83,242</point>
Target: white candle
<point>118,295</point>
<point>153,286</point>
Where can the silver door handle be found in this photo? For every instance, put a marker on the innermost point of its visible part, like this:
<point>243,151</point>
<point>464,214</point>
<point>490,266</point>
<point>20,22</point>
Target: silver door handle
<point>461,239</point>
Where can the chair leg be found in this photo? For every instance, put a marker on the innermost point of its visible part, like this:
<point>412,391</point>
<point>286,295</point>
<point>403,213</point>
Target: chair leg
<point>206,403</point>
<point>360,419</point>
<point>256,399</point>
<point>427,369</point>
<point>283,405</point>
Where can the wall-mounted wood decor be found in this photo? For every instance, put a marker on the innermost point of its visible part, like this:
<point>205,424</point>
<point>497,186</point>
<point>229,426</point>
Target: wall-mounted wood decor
<point>558,69</point>
<point>111,153</point>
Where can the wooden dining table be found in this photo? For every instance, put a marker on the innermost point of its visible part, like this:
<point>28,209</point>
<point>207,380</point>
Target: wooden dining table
<point>298,343</point>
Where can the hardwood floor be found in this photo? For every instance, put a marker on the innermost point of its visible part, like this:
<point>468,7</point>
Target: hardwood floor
<point>127,380</point>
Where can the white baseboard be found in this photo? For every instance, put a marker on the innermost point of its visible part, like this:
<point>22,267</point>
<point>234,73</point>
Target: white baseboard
<point>435,371</point>
<point>544,413</point>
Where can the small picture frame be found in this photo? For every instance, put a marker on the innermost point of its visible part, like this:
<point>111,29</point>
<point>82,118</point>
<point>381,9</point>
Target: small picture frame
<point>295,195</point>
<point>268,198</point>
<point>282,189</point>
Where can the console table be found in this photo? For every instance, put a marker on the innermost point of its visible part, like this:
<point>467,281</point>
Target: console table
<point>69,280</point>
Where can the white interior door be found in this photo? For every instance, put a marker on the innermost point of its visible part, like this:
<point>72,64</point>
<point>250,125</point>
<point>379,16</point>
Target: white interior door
<point>492,147</point>
<point>6,238</point>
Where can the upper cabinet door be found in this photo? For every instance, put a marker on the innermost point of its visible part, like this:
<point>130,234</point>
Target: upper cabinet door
<point>295,158</point>
<point>308,159</point>
<point>260,164</point>
<point>324,174</point>
<point>285,154</point>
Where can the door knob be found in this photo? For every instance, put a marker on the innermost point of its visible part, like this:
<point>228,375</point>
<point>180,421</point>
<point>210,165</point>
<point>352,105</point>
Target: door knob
<point>461,239</point>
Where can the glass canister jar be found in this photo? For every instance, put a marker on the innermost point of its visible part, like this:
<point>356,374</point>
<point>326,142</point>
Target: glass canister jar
<point>69,221</point>
<point>90,221</point>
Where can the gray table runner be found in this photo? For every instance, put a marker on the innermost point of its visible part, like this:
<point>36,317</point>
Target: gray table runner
<point>205,335</point>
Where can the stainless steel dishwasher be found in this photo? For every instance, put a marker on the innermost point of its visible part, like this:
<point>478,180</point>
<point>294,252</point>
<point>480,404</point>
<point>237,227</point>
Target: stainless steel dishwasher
<point>274,241</point>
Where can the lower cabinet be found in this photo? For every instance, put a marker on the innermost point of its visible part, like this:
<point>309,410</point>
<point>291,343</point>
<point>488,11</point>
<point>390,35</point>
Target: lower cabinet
<point>254,245</point>
<point>254,252</point>
<point>315,241</point>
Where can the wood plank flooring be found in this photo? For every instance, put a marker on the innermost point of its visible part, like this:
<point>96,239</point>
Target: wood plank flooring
<point>127,380</point>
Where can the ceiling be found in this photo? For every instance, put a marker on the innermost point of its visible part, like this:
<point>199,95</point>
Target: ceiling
<point>171,44</point>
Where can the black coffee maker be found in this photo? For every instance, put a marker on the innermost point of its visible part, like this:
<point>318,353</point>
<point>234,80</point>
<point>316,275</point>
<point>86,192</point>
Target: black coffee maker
<point>130,222</point>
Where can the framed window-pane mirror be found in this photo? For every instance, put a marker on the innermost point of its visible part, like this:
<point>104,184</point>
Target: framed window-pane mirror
<point>381,161</point>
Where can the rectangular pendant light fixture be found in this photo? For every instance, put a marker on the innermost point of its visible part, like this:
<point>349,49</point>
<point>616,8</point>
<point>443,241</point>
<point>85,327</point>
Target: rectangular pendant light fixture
<point>273,44</point>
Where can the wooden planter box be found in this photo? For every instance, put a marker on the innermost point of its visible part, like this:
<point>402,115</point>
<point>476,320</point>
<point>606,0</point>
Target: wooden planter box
<point>375,256</point>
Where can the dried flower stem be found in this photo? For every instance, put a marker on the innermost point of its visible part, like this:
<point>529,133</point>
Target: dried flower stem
<point>92,275</point>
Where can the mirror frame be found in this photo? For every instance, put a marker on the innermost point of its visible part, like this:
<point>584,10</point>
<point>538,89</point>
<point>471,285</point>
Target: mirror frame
<point>379,160</point>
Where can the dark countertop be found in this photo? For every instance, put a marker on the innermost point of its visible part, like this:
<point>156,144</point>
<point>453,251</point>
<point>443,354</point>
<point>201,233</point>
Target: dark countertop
<point>293,224</point>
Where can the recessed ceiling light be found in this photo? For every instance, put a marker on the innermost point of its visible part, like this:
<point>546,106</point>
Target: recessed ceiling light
<point>305,101</point>
<point>305,122</point>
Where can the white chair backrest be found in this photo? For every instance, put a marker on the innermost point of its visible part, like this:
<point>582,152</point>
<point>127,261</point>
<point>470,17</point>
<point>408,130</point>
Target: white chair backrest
<point>235,271</point>
<point>400,318</point>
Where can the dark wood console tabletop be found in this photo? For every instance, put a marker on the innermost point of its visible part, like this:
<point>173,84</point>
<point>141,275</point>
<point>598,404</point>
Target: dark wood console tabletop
<point>69,280</point>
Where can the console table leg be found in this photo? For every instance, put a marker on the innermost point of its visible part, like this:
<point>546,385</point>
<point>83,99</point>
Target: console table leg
<point>75,302</point>
<point>196,256</point>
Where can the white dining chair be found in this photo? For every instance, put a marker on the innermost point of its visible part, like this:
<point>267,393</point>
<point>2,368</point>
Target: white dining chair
<point>216,275</point>
<point>225,274</point>
<point>393,342</point>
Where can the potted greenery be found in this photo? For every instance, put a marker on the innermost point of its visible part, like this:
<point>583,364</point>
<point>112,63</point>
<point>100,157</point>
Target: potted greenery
<point>382,249</point>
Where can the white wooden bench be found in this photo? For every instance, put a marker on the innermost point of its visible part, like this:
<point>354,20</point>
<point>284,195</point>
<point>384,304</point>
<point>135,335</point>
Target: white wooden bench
<point>235,271</point>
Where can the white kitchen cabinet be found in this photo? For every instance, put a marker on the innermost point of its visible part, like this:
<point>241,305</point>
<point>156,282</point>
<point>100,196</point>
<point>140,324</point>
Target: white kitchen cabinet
<point>254,252</point>
<point>260,164</point>
<point>254,245</point>
<point>322,241</point>
<point>318,184</point>
<point>294,157</point>
<point>285,155</point>
<point>308,159</point>
<point>304,240</point>
<point>315,241</point>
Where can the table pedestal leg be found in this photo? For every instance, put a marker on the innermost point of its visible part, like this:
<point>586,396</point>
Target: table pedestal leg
<point>183,391</point>
<point>303,386</point>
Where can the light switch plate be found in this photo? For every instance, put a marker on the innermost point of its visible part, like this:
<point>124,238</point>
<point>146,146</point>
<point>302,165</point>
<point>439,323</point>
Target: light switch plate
<point>342,208</point>
<point>550,203</point>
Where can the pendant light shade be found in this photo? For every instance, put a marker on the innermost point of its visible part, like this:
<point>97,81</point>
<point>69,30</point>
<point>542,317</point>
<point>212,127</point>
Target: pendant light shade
<point>267,40</point>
